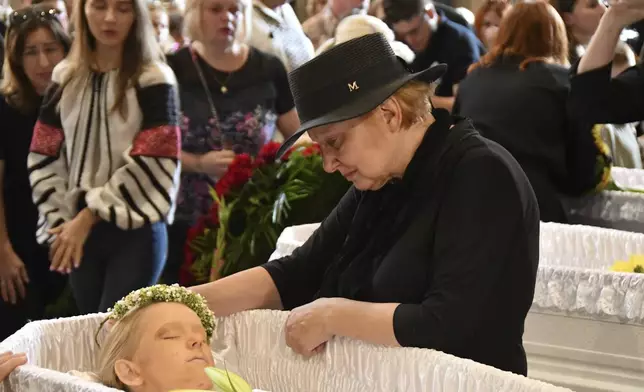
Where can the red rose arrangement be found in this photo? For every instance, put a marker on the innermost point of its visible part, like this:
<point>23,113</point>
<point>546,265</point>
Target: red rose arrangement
<point>252,203</point>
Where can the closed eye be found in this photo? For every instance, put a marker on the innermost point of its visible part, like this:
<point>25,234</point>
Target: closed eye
<point>332,142</point>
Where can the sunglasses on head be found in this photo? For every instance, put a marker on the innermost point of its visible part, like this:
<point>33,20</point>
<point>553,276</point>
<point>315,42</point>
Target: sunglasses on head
<point>17,18</point>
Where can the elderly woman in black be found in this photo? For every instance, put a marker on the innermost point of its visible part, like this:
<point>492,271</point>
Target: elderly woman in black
<point>436,244</point>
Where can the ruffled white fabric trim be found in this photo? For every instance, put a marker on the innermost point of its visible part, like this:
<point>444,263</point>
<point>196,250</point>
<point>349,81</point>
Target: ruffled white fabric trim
<point>54,347</point>
<point>252,344</point>
<point>573,276</point>
<point>629,178</point>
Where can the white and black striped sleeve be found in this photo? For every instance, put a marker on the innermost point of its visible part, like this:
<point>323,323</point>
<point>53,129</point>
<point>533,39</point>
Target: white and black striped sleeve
<point>47,165</point>
<point>143,191</point>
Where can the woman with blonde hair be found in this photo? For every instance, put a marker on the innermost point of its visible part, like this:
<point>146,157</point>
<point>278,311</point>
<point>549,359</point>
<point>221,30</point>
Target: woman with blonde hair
<point>234,99</point>
<point>158,340</point>
<point>516,95</point>
<point>413,253</point>
<point>160,18</point>
<point>104,159</point>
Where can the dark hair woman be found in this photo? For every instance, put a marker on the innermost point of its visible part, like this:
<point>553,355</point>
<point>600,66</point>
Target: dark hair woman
<point>35,43</point>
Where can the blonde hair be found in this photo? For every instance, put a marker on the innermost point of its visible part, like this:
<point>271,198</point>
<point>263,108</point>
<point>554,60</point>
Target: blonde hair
<point>355,26</point>
<point>120,343</point>
<point>193,15</point>
<point>140,49</point>
<point>414,102</point>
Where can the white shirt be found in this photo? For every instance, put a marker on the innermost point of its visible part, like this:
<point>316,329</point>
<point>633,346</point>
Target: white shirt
<point>278,32</point>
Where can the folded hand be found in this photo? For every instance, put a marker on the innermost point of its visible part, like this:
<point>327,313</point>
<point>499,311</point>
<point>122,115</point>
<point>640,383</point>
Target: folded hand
<point>67,250</point>
<point>306,329</point>
<point>625,12</point>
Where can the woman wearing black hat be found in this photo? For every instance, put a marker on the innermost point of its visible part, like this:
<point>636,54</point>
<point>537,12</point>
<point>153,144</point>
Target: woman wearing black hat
<point>435,246</point>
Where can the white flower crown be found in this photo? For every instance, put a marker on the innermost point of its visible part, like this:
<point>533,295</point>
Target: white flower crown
<point>164,293</point>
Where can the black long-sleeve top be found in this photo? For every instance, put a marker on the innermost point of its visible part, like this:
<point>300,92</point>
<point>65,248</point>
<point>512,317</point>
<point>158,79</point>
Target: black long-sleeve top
<point>597,98</point>
<point>455,242</point>
<point>525,112</point>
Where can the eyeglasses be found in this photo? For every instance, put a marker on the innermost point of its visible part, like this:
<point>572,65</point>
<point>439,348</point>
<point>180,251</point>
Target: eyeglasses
<point>17,18</point>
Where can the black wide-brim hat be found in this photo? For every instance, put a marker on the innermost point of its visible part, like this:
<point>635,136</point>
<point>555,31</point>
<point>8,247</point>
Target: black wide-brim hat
<point>349,80</point>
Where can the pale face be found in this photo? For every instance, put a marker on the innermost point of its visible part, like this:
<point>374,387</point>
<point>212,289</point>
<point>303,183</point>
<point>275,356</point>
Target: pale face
<point>415,32</point>
<point>362,150</point>
<point>173,351</point>
<point>220,21</point>
<point>42,53</point>
<point>490,28</point>
<point>161,24</point>
<point>584,19</point>
<point>110,21</point>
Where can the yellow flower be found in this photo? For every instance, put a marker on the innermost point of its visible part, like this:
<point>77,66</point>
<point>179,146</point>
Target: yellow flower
<point>634,264</point>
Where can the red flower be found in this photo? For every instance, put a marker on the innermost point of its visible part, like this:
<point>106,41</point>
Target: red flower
<point>287,154</point>
<point>268,153</point>
<point>196,231</point>
<point>185,276</point>
<point>258,162</point>
<point>213,215</point>
<point>222,187</point>
<point>313,149</point>
<point>241,160</point>
<point>239,172</point>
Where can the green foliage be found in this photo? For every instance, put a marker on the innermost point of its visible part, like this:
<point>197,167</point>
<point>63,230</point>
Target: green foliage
<point>278,195</point>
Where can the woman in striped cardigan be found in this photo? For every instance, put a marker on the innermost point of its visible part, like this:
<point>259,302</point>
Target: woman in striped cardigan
<point>104,159</point>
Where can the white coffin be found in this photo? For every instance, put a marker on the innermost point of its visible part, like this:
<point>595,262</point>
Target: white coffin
<point>612,209</point>
<point>585,329</point>
<point>252,344</point>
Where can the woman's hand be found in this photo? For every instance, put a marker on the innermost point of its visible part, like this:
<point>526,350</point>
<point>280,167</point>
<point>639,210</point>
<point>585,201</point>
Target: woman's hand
<point>306,328</point>
<point>13,276</point>
<point>67,249</point>
<point>215,163</point>
<point>9,361</point>
<point>624,13</point>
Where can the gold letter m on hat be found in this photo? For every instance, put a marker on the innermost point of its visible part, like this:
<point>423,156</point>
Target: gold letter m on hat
<point>353,86</point>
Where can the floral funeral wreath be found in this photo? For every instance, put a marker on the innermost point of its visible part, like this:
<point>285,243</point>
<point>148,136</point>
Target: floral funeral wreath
<point>164,293</point>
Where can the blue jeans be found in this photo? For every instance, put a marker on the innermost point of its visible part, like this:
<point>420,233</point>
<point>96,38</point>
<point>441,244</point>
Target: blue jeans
<point>116,262</point>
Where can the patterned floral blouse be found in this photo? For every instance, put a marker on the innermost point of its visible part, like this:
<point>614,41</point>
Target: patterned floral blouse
<point>247,113</point>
